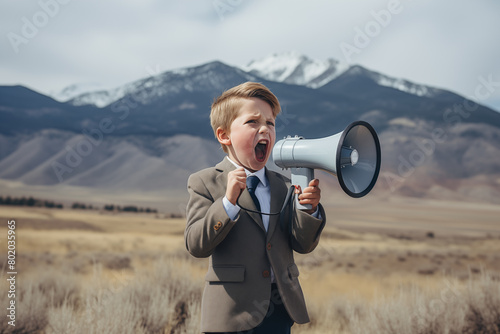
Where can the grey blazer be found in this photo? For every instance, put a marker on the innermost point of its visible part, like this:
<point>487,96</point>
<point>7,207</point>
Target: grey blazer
<point>238,282</point>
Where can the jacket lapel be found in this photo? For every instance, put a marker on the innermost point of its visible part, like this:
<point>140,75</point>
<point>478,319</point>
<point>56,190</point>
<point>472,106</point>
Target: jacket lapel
<point>278,194</point>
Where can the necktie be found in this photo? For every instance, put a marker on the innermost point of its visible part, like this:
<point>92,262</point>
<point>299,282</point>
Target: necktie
<point>252,182</point>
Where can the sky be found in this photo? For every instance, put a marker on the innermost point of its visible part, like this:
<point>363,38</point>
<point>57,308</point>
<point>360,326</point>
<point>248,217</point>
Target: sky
<point>47,45</point>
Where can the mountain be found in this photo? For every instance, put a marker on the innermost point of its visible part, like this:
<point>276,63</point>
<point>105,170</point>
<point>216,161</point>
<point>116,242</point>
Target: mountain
<point>72,91</point>
<point>294,68</point>
<point>152,133</point>
<point>16,97</point>
<point>439,106</point>
<point>287,67</point>
<point>23,110</point>
<point>149,89</point>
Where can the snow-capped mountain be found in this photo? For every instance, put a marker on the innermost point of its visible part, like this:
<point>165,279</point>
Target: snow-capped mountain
<point>288,67</point>
<point>70,92</point>
<point>99,98</point>
<point>396,83</point>
<point>297,69</point>
<point>148,89</point>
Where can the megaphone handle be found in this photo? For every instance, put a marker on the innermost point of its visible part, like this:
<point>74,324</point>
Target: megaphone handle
<point>301,177</point>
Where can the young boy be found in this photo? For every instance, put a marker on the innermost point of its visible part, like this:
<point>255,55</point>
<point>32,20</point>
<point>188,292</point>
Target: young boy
<point>252,281</point>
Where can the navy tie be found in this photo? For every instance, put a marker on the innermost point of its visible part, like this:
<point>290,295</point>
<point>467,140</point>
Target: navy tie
<point>252,182</point>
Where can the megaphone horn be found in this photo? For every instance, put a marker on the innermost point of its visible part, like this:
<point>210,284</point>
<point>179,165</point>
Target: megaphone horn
<point>352,155</point>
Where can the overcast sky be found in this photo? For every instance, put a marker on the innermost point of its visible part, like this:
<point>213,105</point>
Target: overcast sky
<point>50,44</point>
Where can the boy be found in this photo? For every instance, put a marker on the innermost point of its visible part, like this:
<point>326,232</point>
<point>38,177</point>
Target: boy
<point>252,281</point>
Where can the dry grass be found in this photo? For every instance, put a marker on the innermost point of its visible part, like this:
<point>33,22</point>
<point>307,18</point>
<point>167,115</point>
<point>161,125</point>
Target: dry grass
<point>90,272</point>
<point>165,299</point>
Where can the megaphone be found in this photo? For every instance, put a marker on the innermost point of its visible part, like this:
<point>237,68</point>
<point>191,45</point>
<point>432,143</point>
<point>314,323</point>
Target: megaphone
<point>352,155</point>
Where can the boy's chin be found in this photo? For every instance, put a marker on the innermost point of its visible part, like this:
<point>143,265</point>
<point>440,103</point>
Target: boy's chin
<point>256,165</point>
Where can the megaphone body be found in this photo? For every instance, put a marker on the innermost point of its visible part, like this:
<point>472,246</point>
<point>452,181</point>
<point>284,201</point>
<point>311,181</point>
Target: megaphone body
<point>352,155</point>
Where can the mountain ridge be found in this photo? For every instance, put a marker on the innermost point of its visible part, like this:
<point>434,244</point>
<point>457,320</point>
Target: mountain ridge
<point>287,67</point>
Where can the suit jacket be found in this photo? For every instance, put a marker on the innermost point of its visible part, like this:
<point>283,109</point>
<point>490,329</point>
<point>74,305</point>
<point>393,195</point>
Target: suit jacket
<point>238,283</point>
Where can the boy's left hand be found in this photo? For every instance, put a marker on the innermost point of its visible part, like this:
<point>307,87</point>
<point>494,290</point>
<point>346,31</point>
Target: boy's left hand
<point>310,195</point>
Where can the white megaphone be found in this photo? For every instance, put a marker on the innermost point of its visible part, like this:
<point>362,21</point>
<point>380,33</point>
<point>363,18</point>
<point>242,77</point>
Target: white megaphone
<point>352,155</point>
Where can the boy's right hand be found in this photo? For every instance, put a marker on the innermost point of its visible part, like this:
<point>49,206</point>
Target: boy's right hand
<point>236,183</point>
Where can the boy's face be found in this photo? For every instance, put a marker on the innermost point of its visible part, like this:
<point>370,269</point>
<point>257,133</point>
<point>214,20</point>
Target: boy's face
<point>251,136</point>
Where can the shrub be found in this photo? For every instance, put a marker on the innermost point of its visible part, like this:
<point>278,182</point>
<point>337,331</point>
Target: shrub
<point>451,310</point>
<point>34,299</point>
<point>130,208</point>
<point>165,300</point>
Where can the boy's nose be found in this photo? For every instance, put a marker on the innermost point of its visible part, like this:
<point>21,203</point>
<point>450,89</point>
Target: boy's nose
<point>263,129</point>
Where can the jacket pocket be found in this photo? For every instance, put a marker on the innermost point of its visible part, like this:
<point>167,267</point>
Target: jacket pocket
<point>225,274</point>
<point>293,271</point>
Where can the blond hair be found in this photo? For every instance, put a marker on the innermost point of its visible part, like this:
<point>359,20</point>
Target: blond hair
<point>225,108</point>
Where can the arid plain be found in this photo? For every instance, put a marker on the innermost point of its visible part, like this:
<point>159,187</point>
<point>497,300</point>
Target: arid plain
<point>412,260</point>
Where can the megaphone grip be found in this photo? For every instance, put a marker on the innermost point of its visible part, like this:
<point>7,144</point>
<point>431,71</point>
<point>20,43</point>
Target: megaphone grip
<point>301,177</point>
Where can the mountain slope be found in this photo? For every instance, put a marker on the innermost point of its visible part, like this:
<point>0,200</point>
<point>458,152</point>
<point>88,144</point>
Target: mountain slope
<point>72,91</point>
<point>145,163</point>
<point>441,107</point>
<point>23,110</point>
<point>207,77</point>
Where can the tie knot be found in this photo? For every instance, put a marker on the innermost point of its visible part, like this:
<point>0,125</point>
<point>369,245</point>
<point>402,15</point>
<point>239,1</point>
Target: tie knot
<point>252,182</point>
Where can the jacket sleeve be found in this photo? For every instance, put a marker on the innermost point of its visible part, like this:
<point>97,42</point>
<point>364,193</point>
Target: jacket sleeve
<point>306,230</point>
<point>207,221</point>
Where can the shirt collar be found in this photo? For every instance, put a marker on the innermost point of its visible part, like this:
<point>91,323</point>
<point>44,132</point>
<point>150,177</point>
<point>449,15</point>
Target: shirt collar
<point>261,173</point>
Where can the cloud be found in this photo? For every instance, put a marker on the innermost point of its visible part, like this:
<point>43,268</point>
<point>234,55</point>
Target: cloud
<point>448,44</point>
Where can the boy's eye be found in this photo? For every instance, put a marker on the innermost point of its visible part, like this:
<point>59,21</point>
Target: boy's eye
<point>270,123</point>
<point>251,121</point>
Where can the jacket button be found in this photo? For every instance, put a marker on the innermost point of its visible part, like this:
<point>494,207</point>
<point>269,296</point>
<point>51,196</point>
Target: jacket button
<point>269,246</point>
<point>217,226</point>
<point>266,273</point>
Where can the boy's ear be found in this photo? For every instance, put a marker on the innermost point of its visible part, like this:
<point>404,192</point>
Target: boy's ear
<point>223,136</point>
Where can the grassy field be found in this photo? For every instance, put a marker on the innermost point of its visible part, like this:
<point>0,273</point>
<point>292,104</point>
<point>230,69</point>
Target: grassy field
<point>386,266</point>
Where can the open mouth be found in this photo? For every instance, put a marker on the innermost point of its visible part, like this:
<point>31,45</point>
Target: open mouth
<point>261,150</point>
